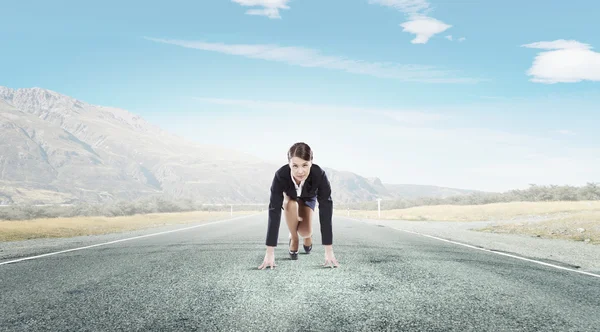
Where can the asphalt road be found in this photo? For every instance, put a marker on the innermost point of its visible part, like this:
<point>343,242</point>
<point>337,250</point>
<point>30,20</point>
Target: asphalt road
<point>206,279</point>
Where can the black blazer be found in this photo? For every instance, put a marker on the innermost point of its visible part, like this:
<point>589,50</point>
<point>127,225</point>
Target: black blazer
<point>316,185</point>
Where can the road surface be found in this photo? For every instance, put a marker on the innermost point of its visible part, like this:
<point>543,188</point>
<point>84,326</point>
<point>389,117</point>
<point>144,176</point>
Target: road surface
<point>206,279</point>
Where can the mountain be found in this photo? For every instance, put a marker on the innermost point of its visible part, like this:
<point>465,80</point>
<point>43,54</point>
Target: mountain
<point>411,191</point>
<point>55,149</point>
<point>358,188</point>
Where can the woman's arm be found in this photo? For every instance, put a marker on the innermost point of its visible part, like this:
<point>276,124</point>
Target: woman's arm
<point>275,204</point>
<point>325,210</point>
<point>325,216</point>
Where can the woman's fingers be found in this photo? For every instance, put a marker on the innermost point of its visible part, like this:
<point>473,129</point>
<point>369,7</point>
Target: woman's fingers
<point>266,263</point>
<point>331,262</point>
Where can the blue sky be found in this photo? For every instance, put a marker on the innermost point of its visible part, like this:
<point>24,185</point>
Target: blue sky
<point>511,98</point>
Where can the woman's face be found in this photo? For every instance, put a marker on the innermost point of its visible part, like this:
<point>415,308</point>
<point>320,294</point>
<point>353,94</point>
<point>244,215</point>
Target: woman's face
<point>300,168</point>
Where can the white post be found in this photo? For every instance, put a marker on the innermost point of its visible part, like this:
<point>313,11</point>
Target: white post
<point>379,207</point>
<point>348,212</point>
<point>231,205</point>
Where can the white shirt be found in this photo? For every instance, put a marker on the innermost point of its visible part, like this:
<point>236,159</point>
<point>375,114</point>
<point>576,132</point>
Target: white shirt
<point>298,187</point>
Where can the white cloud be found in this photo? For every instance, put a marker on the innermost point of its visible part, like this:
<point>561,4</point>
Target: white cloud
<point>408,152</point>
<point>270,7</point>
<point>306,57</point>
<point>419,24</point>
<point>424,28</point>
<point>413,117</point>
<point>559,44</point>
<point>565,132</point>
<point>451,38</point>
<point>457,149</point>
<point>565,61</point>
<point>479,158</point>
<point>406,6</point>
<point>555,169</point>
<point>402,116</point>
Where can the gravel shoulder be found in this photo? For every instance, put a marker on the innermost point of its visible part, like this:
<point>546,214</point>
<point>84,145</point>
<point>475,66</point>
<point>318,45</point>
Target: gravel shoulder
<point>572,254</point>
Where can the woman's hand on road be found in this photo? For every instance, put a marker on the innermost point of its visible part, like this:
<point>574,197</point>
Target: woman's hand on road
<point>269,259</point>
<point>330,257</point>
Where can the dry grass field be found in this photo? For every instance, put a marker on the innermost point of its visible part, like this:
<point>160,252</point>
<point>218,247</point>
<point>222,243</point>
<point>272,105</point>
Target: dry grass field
<point>78,226</point>
<point>578,221</point>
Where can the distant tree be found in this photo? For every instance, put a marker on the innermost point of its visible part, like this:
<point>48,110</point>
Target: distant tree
<point>535,193</point>
<point>590,192</point>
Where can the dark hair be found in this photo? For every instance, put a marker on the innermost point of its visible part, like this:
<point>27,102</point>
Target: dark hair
<point>300,150</point>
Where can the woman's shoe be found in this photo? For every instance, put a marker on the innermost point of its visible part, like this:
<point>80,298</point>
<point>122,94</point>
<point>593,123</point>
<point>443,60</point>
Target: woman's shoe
<point>293,254</point>
<point>307,249</point>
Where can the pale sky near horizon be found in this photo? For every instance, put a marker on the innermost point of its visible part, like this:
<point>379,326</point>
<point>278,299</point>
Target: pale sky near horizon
<point>477,95</point>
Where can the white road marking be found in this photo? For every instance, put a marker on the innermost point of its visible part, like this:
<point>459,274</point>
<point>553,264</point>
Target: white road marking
<point>488,250</point>
<point>127,239</point>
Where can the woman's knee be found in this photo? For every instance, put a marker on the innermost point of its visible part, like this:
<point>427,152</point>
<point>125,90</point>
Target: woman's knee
<point>290,205</point>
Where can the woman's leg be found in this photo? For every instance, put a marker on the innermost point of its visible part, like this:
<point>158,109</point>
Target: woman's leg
<point>305,226</point>
<point>290,207</point>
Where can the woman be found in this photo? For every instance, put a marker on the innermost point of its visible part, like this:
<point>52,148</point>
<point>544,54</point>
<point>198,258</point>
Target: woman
<point>296,188</point>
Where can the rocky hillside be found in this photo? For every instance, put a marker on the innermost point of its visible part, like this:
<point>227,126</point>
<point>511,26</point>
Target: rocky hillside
<point>55,149</point>
<point>412,191</point>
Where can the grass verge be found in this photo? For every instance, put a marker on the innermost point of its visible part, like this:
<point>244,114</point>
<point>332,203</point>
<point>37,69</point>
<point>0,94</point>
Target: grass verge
<point>81,226</point>
<point>577,221</point>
